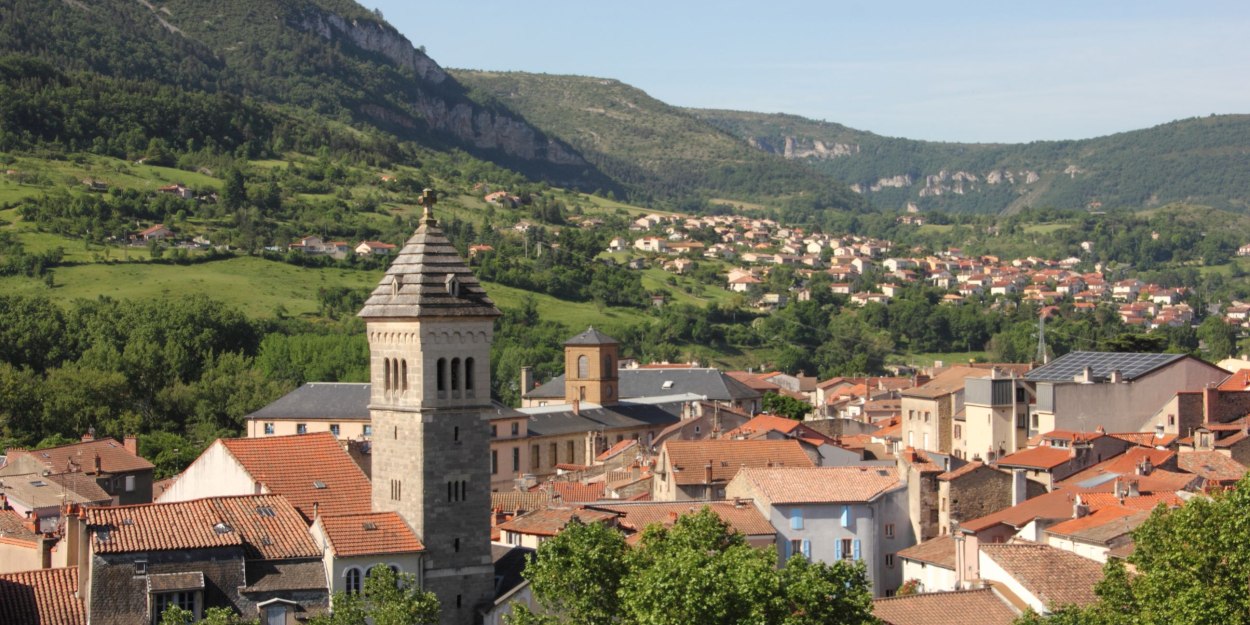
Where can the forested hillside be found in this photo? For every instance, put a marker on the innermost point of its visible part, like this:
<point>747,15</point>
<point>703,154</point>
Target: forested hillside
<point>1200,161</point>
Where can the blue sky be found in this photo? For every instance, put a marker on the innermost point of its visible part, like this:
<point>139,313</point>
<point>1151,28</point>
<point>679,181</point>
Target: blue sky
<point>1001,71</point>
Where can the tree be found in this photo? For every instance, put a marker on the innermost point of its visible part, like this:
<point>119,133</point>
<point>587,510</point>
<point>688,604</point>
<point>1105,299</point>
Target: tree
<point>786,406</point>
<point>388,598</point>
<point>697,571</point>
<point>1219,339</point>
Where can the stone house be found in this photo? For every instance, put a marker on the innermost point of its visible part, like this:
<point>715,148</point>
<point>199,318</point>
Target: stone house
<point>700,470</point>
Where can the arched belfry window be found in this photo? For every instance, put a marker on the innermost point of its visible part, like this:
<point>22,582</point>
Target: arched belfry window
<point>468,374</point>
<point>583,367</point>
<point>386,374</point>
<point>403,375</point>
<point>441,377</point>
<point>455,374</point>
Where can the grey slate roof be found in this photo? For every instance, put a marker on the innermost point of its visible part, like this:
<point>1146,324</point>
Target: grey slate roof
<point>636,383</point>
<point>320,400</point>
<point>1101,364</point>
<point>561,419</point>
<point>592,337</point>
<point>340,401</point>
<point>419,282</point>
<point>509,564</point>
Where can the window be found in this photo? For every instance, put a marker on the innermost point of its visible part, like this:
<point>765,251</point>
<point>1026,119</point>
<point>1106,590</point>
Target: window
<point>796,546</point>
<point>889,560</point>
<point>367,430</point>
<point>844,550</point>
<point>397,490</point>
<point>455,374</point>
<point>607,367</point>
<point>334,429</point>
<point>494,430</point>
<point>796,518</point>
<point>301,428</point>
<point>1171,419</point>
<point>386,374</point>
<point>889,530</point>
<point>351,580</point>
<point>535,456</point>
<point>1034,421</point>
<point>583,367</point>
<point>959,432</point>
<point>130,483</point>
<point>441,375</point>
<point>571,449</point>
<point>184,599</point>
<point>268,429</point>
<point>141,567</point>
<point>455,434</point>
<point>516,459</point>
<point>581,393</point>
<point>846,516</point>
<point>553,450</point>
<point>1022,421</point>
<point>516,428</point>
<point>275,614</point>
<point>494,462</point>
<point>403,375</point>
<point>468,374</point>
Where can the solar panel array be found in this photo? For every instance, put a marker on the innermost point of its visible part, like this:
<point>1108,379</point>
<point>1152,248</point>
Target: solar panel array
<point>1102,364</point>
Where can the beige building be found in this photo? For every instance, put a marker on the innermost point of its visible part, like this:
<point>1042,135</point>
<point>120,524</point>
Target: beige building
<point>929,411</point>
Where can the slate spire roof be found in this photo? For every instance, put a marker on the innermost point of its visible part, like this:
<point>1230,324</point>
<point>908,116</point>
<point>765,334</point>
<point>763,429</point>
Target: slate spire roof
<point>591,337</point>
<point>428,279</point>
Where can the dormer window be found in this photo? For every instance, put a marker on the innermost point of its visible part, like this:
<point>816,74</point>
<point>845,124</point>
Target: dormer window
<point>396,282</point>
<point>453,285</point>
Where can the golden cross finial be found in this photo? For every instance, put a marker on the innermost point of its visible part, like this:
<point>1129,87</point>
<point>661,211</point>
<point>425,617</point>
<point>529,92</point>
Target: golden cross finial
<point>428,199</point>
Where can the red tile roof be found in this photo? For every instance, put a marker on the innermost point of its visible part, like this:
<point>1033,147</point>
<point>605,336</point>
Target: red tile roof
<point>114,457</point>
<point>1145,439</point>
<point>689,459</point>
<point>743,518</point>
<point>370,533</point>
<point>574,492</point>
<point>13,529</point>
<point>1053,505</point>
<point>312,471</point>
<point>961,471</point>
<point>938,551</point>
<point>550,521</point>
<point>1044,457</point>
<point>44,597</point>
<point>798,485</point>
<point>1212,465</point>
<point>1034,566</point>
<point>266,526</point>
<point>961,607</point>
<point>1123,464</point>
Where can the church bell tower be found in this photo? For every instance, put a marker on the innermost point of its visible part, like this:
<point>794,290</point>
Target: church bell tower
<point>429,324</point>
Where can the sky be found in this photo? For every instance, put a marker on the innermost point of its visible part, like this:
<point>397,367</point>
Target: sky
<point>1005,71</point>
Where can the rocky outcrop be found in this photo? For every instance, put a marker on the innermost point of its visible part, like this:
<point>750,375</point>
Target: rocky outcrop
<point>463,119</point>
<point>796,148</point>
<point>378,38</point>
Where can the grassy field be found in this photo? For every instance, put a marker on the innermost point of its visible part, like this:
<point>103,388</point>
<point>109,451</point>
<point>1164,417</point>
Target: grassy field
<point>947,358</point>
<point>1044,228</point>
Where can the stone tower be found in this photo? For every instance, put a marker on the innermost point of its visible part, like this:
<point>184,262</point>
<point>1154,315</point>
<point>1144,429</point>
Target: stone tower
<point>429,325</point>
<point>590,368</point>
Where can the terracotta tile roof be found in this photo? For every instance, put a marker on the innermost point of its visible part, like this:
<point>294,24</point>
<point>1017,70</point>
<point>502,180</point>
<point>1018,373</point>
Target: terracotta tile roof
<point>754,380</point>
<point>961,607</point>
<point>13,528</point>
<point>948,381</point>
<point>549,521</point>
<point>743,517</point>
<point>266,526</point>
<point>1212,466</point>
<point>1034,567</point>
<point>513,500</point>
<point>1044,457</point>
<point>310,470</point>
<point>45,597</point>
<point>370,533</point>
<point>1147,502</point>
<point>1145,439</point>
<point>114,457</point>
<point>1123,464</point>
<point>688,459</point>
<point>1053,505</point>
<point>938,551</point>
<point>82,484</point>
<point>574,492</point>
<point>765,423</point>
<point>961,471</point>
<point>616,449</point>
<point>1101,525</point>
<point>797,485</point>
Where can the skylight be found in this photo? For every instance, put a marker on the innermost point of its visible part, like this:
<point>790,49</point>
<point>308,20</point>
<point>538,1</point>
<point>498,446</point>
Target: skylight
<point>370,525</point>
<point>318,484</point>
<point>221,528</point>
<point>264,511</point>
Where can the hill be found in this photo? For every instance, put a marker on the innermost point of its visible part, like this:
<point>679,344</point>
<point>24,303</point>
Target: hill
<point>654,149</point>
<point>1197,161</point>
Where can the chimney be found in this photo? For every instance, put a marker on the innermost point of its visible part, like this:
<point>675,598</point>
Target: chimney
<point>131,444</point>
<point>1134,489</point>
<point>1116,376</point>
<point>1118,490</point>
<point>96,463</point>
<point>1019,487</point>
<point>577,407</point>
<point>1086,376</point>
<point>1210,400</point>
<point>527,380</point>
<point>89,436</point>
<point>1145,467</point>
<point>1080,509</point>
<point>707,473</point>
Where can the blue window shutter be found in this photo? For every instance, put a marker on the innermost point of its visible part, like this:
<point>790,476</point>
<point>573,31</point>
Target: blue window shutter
<point>807,549</point>
<point>855,545</point>
<point>796,518</point>
<point>785,546</point>
<point>846,516</point>
<point>837,549</point>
